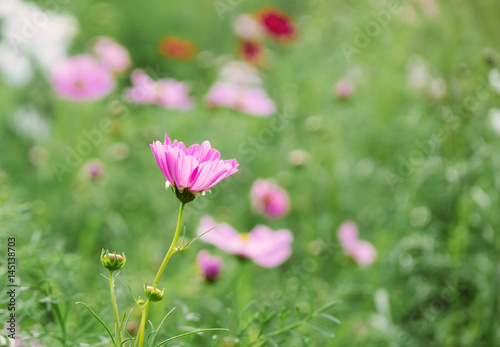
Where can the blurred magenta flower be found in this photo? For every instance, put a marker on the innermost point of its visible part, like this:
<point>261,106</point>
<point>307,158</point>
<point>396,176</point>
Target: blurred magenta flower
<point>362,252</point>
<point>94,169</point>
<point>250,100</point>
<point>166,92</point>
<point>82,78</point>
<point>277,24</point>
<point>344,89</point>
<point>269,199</point>
<point>195,169</point>
<point>210,266</point>
<point>264,246</point>
<point>112,55</point>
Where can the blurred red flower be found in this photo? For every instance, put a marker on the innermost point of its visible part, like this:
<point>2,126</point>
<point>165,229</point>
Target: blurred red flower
<point>176,48</point>
<point>277,24</point>
<point>251,51</point>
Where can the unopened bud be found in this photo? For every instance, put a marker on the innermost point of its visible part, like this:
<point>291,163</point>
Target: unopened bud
<point>153,293</point>
<point>112,261</point>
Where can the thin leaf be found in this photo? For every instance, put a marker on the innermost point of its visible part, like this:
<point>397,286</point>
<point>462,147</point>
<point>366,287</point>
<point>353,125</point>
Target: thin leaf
<point>199,236</point>
<point>320,329</point>
<point>272,342</point>
<point>99,319</point>
<point>190,333</point>
<point>247,308</point>
<point>130,339</point>
<point>153,333</point>
<point>327,306</point>
<point>124,321</point>
<point>329,317</point>
<point>298,337</point>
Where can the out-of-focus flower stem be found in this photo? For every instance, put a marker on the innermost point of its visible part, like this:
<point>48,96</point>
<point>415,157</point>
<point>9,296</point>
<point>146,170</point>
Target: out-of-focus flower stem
<point>115,308</point>
<point>171,250</point>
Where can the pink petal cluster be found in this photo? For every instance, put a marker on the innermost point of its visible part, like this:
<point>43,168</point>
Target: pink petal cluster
<point>269,199</point>
<point>264,246</point>
<point>210,266</point>
<point>197,168</point>
<point>362,252</point>
<point>250,100</point>
<point>82,78</point>
<point>344,89</point>
<point>112,55</point>
<point>166,92</point>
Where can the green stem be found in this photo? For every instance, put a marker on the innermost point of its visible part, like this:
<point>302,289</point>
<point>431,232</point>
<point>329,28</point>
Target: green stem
<point>115,308</point>
<point>171,250</point>
<point>145,311</point>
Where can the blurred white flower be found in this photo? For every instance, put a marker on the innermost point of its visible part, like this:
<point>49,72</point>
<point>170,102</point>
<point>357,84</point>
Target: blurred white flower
<point>437,88</point>
<point>15,68</point>
<point>494,116</point>
<point>248,28</point>
<point>28,122</point>
<point>418,72</point>
<point>494,79</point>
<point>241,73</point>
<point>32,34</point>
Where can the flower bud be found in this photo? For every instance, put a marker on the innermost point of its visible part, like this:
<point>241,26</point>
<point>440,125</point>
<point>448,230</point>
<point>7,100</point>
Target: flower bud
<point>112,261</point>
<point>153,293</point>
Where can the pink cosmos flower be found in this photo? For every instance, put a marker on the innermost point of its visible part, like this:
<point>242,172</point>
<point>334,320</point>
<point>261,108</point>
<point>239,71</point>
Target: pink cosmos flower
<point>362,252</point>
<point>112,55</point>
<point>344,89</point>
<point>195,169</point>
<point>210,266</point>
<point>166,92</point>
<point>254,101</point>
<point>269,199</point>
<point>264,246</point>
<point>82,78</point>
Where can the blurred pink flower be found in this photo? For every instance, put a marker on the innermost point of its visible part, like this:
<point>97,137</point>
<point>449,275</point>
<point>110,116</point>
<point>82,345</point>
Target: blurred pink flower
<point>94,169</point>
<point>344,89</point>
<point>269,199</point>
<point>254,101</point>
<point>362,252</point>
<point>197,168</point>
<point>210,266</point>
<point>112,55</point>
<point>264,246</point>
<point>166,92</point>
<point>82,78</point>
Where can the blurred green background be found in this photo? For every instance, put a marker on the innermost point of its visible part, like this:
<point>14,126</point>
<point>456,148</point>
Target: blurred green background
<point>418,172</point>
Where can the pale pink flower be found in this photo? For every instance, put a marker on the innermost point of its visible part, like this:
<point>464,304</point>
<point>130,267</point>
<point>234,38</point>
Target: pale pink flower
<point>264,246</point>
<point>210,266</point>
<point>362,252</point>
<point>269,199</point>
<point>112,55</point>
<point>254,101</point>
<point>223,94</point>
<point>196,169</point>
<point>248,28</point>
<point>166,92</point>
<point>344,89</point>
<point>82,78</point>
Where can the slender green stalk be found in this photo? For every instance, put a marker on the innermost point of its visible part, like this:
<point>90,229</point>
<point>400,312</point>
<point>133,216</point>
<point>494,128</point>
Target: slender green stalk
<point>115,308</point>
<point>171,250</point>
<point>145,311</point>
